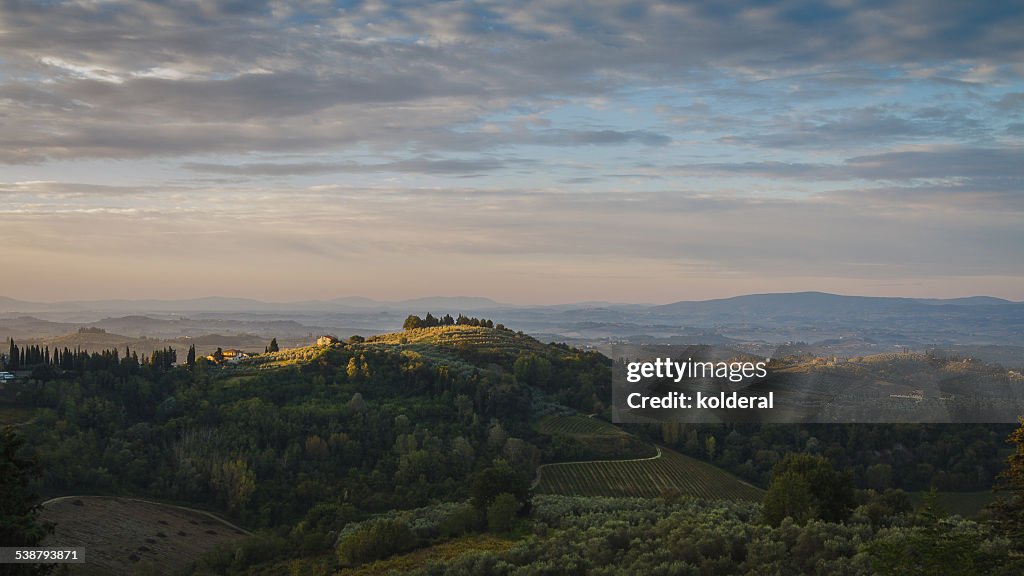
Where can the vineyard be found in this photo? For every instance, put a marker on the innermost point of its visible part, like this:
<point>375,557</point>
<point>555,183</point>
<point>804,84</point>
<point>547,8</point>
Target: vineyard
<point>577,425</point>
<point>670,472</point>
<point>593,439</point>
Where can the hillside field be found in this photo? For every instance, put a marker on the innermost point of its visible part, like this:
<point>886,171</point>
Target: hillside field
<point>127,536</point>
<point>670,472</point>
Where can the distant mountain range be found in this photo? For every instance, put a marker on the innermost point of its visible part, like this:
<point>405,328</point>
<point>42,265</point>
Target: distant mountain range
<point>861,323</point>
<point>794,302</point>
<point>817,303</point>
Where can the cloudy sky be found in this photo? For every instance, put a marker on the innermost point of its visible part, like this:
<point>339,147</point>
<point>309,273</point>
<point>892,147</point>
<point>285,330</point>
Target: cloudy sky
<point>533,152</point>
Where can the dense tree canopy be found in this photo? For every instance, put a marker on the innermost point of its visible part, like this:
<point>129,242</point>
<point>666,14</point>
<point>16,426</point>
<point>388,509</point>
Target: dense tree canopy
<point>805,487</point>
<point>19,506</point>
<point>1009,510</point>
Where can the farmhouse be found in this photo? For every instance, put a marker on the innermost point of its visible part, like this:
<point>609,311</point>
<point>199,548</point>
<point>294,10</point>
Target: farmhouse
<point>326,340</point>
<point>229,356</point>
<point>234,355</point>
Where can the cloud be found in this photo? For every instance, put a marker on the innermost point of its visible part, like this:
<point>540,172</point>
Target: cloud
<point>737,140</point>
<point>118,79</point>
<point>855,234</point>
<point>456,166</point>
<point>953,162</point>
<point>849,128</point>
<point>978,165</point>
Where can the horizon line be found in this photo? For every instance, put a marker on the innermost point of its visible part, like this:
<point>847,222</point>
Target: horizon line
<point>371,301</point>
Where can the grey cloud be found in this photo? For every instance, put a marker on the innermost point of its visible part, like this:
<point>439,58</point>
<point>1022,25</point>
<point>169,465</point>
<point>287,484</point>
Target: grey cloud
<point>307,77</point>
<point>415,165</point>
<point>1011,102</point>
<point>608,137</point>
<point>261,95</point>
<point>977,163</point>
<point>765,169</point>
<point>985,165</point>
<point>856,127</point>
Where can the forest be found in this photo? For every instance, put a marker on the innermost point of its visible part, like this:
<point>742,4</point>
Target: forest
<point>346,455</point>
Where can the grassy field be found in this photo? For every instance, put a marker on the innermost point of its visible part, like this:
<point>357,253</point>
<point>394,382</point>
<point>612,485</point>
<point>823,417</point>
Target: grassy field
<point>668,473</point>
<point>125,536</point>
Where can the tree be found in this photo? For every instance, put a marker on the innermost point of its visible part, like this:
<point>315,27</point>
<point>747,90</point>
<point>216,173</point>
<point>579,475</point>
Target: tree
<point>379,539</point>
<point>938,545</point>
<point>190,360</point>
<point>789,496</point>
<point>711,446</point>
<point>237,483</point>
<point>805,486</point>
<point>1008,511</point>
<point>218,355</point>
<point>13,360</point>
<point>412,322</point>
<point>496,479</point>
<point>501,514</point>
<point>19,506</point>
<point>273,346</point>
<point>531,369</point>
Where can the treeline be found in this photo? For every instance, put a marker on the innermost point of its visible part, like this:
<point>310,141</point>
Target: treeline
<point>430,321</point>
<point>914,457</point>
<point>44,362</point>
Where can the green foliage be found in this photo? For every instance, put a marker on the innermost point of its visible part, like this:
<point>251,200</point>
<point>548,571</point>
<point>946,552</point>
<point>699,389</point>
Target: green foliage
<point>881,509</point>
<point>533,369</point>
<point>270,437</point>
<point>312,442</point>
<point>413,322</point>
<point>805,487</point>
<point>941,548</point>
<point>965,457</point>
<point>19,507</point>
<point>379,540</point>
<point>612,536</point>
<point>499,478</point>
<point>789,496</point>
<point>501,514</point>
<point>1008,511</point>
<point>239,557</point>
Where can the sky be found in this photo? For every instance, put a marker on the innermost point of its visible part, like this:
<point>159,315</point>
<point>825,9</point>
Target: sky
<point>532,152</point>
